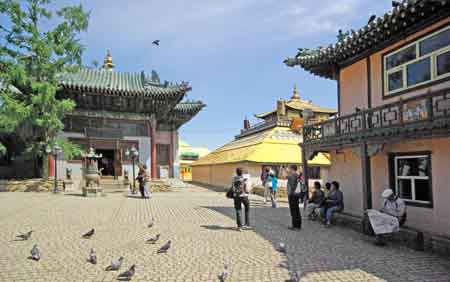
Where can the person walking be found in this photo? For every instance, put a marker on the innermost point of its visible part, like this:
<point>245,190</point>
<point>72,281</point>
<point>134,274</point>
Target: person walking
<point>146,181</point>
<point>240,195</point>
<point>294,198</point>
<point>140,179</point>
<point>273,180</point>
<point>265,183</point>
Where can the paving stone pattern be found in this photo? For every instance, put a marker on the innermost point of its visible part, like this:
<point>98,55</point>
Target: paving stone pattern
<point>200,224</point>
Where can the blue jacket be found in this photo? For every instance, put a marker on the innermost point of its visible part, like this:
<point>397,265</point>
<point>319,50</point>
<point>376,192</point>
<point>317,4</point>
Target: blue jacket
<point>274,181</point>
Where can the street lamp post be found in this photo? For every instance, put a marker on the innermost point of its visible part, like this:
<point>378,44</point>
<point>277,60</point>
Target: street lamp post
<point>133,153</point>
<point>55,151</point>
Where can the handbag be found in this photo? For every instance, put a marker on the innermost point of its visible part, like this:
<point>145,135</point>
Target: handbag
<point>230,193</point>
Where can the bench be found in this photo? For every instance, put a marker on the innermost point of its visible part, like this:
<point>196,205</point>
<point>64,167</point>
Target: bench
<point>407,236</point>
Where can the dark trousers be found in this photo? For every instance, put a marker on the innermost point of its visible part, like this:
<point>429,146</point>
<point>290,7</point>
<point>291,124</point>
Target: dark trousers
<point>238,201</point>
<point>141,189</point>
<point>294,207</point>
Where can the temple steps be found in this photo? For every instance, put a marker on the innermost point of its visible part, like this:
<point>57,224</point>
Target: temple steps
<point>111,185</point>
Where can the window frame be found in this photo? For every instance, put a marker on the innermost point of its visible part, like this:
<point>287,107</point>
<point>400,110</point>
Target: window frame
<point>403,67</point>
<point>393,170</point>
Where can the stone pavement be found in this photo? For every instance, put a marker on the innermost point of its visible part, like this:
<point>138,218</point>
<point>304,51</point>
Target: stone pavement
<point>200,223</point>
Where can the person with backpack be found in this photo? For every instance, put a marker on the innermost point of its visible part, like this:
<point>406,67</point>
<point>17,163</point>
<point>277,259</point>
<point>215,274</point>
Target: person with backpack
<point>240,192</point>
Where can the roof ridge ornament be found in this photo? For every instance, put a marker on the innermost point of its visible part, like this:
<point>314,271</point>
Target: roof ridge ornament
<point>108,62</point>
<point>295,95</point>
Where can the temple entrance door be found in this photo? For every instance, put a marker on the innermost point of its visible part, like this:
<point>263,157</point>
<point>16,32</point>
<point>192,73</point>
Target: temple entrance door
<point>118,163</point>
<point>107,163</point>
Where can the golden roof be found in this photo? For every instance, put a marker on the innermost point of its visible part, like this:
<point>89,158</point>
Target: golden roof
<point>298,104</point>
<point>278,145</point>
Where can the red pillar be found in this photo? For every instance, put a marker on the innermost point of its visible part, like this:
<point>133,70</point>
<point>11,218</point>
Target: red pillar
<point>51,165</point>
<point>171,154</point>
<point>152,135</point>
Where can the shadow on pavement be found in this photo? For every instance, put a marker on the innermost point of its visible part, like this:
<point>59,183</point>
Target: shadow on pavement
<point>218,227</point>
<point>337,253</point>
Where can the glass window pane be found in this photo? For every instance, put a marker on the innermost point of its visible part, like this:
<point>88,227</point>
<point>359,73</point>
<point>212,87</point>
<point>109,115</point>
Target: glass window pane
<point>404,189</point>
<point>418,72</point>
<point>413,166</point>
<point>422,188</point>
<point>395,80</point>
<point>435,42</point>
<point>401,57</point>
<point>443,63</point>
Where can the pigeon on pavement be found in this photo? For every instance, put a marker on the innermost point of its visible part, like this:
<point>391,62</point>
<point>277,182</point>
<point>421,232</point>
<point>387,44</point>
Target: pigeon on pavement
<point>282,248</point>
<point>88,234</point>
<point>25,236</point>
<point>295,277</point>
<point>224,275</point>
<point>151,223</point>
<point>153,239</point>
<point>92,257</point>
<point>35,253</point>
<point>115,264</point>
<point>165,247</point>
<point>127,275</point>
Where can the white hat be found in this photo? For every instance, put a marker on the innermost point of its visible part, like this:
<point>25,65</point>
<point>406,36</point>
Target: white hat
<point>387,193</point>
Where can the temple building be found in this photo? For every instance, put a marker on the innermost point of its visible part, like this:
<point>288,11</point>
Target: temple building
<point>393,129</point>
<point>273,142</point>
<point>116,111</point>
<point>188,154</point>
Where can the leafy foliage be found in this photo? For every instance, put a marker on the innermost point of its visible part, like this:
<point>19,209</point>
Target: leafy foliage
<point>32,55</point>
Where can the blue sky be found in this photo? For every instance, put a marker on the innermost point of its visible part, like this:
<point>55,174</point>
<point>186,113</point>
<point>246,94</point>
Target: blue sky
<point>231,51</point>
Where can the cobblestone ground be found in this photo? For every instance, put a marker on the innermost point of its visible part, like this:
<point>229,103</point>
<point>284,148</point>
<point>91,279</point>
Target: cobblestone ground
<point>200,223</point>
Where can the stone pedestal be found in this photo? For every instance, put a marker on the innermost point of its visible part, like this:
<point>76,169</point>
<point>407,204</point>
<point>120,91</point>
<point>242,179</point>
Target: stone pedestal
<point>92,191</point>
<point>68,186</point>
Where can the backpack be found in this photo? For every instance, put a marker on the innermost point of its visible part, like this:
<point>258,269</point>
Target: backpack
<point>236,188</point>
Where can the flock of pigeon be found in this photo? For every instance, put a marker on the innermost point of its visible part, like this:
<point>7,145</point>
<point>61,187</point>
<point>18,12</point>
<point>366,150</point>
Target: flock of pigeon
<point>115,264</point>
<point>128,274</point>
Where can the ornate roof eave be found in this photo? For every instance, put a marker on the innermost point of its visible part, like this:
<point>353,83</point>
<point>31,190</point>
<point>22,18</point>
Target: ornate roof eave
<point>183,112</point>
<point>403,20</point>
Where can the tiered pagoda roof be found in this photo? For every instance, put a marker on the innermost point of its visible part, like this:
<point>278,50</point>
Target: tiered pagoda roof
<point>404,19</point>
<point>110,82</point>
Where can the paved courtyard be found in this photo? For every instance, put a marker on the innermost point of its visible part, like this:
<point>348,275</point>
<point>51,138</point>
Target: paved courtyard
<point>200,224</point>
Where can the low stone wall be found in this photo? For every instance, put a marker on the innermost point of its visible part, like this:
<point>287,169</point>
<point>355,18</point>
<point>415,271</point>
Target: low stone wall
<point>28,185</point>
<point>259,190</point>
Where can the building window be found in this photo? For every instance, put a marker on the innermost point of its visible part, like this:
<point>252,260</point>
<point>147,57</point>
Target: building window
<point>412,176</point>
<point>314,172</point>
<point>421,62</point>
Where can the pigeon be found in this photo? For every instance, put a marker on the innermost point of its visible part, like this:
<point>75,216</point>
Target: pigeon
<point>153,239</point>
<point>127,275</point>
<point>115,264</point>
<point>35,253</point>
<point>165,247</point>
<point>89,234</point>
<point>371,19</point>
<point>25,236</point>
<point>224,275</point>
<point>156,42</point>
<point>295,277</point>
<point>282,248</point>
<point>92,257</point>
<point>151,223</point>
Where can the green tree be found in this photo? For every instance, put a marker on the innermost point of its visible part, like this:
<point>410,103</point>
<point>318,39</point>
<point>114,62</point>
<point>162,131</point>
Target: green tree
<point>37,43</point>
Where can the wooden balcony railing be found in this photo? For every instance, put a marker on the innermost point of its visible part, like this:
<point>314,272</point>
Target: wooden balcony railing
<point>429,109</point>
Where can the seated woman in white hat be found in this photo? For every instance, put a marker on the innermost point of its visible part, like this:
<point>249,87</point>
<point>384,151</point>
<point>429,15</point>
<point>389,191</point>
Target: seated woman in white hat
<point>389,218</point>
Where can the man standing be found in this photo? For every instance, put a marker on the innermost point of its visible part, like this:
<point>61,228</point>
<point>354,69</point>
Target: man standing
<point>294,198</point>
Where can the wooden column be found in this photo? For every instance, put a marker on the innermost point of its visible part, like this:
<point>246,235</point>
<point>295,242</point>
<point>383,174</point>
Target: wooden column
<point>171,154</point>
<point>51,165</point>
<point>305,167</point>
<point>152,135</point>
<point>366,178</point>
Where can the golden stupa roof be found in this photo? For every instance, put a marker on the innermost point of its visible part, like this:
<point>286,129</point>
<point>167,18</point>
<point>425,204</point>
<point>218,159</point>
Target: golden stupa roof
<point>279,145</point>
<point>298,104</point>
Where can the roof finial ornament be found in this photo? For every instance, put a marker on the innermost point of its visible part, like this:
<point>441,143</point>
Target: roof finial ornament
<point>295,95</point>
<point>108,63</point>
